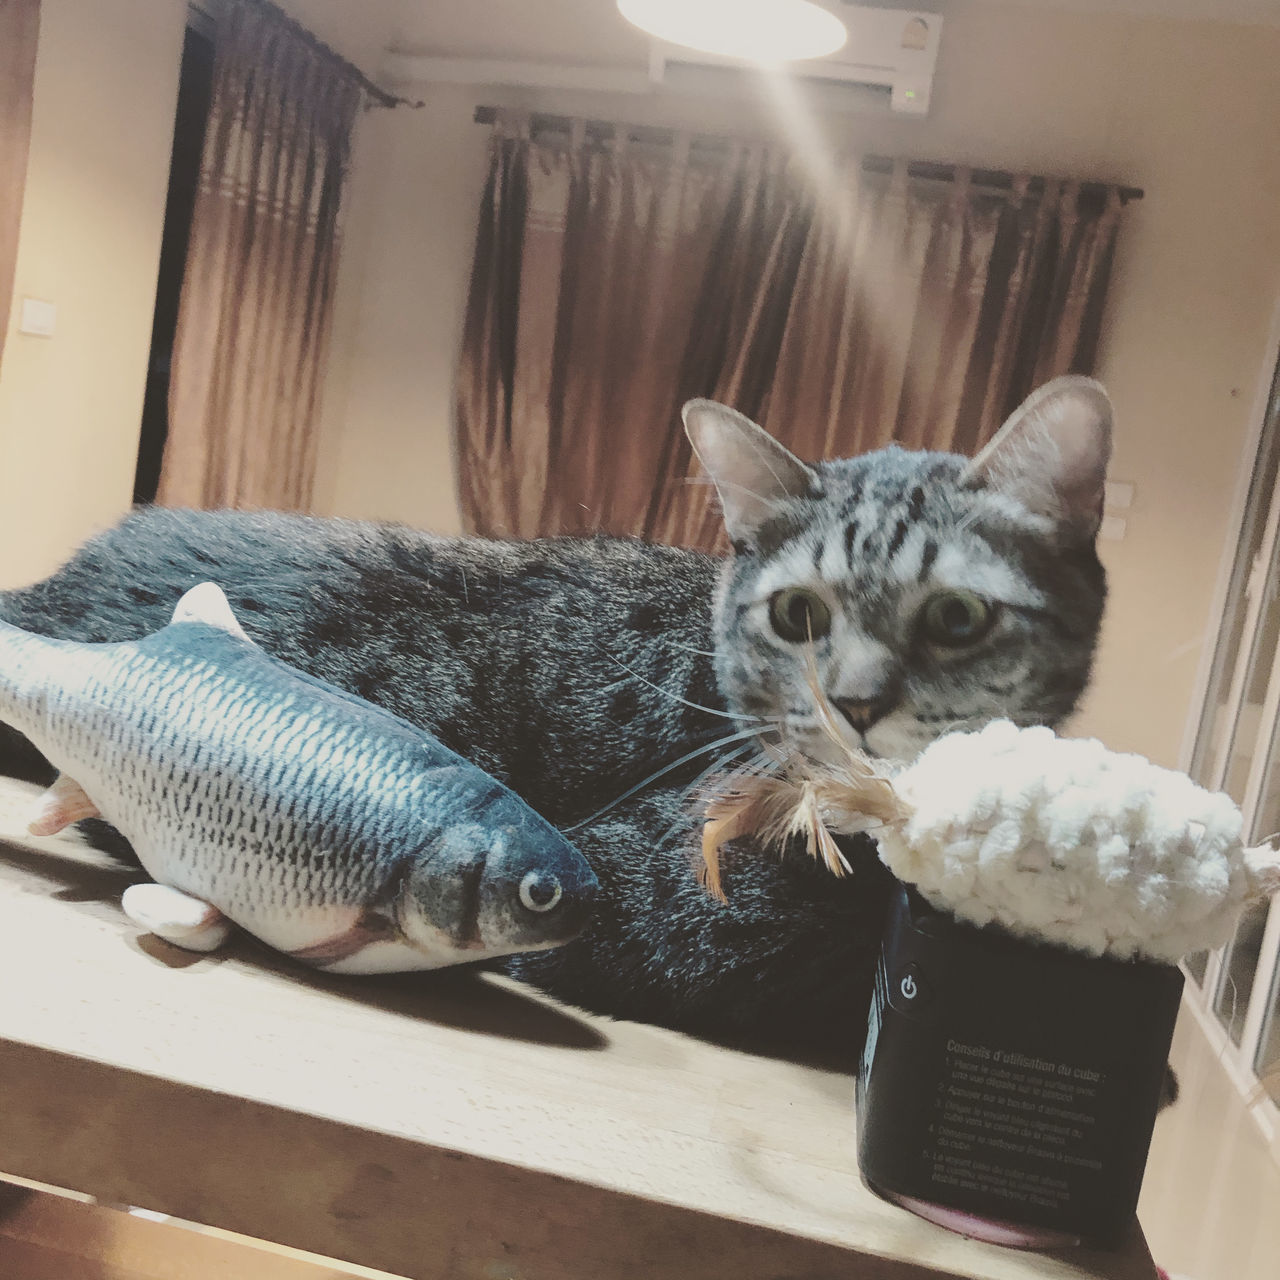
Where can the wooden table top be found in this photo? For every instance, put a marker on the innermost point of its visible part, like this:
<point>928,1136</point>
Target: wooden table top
<point>450,1126</point>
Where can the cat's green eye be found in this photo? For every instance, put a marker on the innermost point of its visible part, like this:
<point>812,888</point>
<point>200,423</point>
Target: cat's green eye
<point>954,619</point>
<point>798,615</point>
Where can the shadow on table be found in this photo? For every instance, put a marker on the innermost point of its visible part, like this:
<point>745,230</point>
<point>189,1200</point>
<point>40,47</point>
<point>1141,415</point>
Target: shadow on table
<point>463,997</point>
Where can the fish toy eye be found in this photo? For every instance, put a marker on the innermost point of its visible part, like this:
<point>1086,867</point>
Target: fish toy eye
<point>954,619</point>
<point>539,891</point>
<point>797,615</point>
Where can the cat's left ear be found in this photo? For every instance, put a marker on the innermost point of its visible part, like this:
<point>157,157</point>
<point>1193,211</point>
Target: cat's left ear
<point>1052,455</point>
<point>753,473</point>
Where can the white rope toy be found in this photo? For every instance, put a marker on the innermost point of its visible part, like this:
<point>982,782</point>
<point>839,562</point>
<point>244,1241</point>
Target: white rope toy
<point>1054,839</point>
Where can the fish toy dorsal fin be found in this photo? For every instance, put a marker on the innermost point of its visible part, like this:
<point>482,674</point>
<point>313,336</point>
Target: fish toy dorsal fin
<point>208,604</point>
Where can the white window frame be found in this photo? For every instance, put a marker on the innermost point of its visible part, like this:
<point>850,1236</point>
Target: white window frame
<point>1238,1060</point>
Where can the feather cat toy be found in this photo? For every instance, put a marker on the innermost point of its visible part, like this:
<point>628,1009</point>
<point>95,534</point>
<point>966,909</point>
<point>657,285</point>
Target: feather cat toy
<point>328,828</point>
<point>1053,839</point>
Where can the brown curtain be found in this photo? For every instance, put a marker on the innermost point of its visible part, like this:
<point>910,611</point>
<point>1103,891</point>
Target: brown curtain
<point>591,308</point>
<point>613,281</point>
<point>253,323</point>
<point>19,31</point>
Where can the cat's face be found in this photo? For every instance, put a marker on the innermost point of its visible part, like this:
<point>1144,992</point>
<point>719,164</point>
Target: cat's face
<point>920,592</point>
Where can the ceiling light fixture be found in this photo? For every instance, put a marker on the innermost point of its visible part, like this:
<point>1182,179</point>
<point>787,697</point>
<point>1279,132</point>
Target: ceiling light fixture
<point>767,31</point>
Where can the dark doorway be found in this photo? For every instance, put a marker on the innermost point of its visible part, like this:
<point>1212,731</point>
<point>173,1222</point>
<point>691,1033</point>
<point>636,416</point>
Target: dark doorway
<point>195,91</point>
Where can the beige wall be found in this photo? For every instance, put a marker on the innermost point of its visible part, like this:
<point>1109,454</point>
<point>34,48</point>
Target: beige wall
<point>410,224</point>
<point>70,405</point>
<point>1188,110</point>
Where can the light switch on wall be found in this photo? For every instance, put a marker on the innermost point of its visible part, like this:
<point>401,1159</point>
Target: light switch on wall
<point>1119,495</point>
<point>37,318</point>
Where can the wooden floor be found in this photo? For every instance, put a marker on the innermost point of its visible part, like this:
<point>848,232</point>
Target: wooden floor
<point>452,1125</point>
<point>61,1237</point>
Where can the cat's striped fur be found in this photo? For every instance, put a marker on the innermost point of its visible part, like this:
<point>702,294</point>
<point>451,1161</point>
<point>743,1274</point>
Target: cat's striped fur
<point>572,669</point>
<point>878,538</point>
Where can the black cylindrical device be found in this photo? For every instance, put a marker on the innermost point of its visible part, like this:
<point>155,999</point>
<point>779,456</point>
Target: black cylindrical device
<point>1008,1080</point>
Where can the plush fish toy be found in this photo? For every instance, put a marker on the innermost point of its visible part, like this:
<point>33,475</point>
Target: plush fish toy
<point>258,796</point>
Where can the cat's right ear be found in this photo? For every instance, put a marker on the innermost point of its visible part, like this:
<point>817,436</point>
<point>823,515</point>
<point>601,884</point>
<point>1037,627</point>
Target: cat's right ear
<point>1052,455</point>
<point>753,473</point>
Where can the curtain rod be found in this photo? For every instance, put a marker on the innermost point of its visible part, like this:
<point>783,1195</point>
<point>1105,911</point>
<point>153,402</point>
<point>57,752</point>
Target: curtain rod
<point>377,95</point>
<point>603,130</point>
<point>998,178</point>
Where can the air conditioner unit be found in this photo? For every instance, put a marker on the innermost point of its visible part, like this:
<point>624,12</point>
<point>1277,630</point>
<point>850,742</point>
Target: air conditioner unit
<point>891,52</point>
<point>886,64</point>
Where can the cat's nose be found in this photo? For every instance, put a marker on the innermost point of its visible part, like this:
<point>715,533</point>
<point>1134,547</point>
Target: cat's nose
<point>865,712</point>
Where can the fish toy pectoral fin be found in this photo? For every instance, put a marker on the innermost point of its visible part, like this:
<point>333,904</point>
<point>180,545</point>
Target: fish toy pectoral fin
<point>62,804</point>
<point>208,603</point>
<point>176,917</point>
<point>369,928</point>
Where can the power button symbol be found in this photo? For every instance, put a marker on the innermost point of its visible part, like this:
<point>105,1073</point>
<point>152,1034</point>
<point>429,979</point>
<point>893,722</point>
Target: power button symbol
<point>909,992</point>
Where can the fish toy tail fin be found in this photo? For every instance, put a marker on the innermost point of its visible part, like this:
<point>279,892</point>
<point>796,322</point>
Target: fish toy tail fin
<point>23,674</point>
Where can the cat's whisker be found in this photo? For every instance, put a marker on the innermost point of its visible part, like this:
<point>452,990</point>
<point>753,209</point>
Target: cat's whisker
<point>770,760</point>
<point>693,787</point>
<point>688,648</point>
<point>741,736</point>
<point>756,767</point>
<point>737,717</point>
<point>607,689</point>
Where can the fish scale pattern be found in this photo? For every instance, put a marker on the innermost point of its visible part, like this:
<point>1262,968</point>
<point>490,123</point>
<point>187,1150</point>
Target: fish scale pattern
<point>223,786</point>
<point>291,806</point>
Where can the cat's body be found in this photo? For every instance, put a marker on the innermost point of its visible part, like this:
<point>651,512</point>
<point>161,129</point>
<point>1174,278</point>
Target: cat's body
<point>528,658</point>
<point>919,591</point>
<point>511,653</point>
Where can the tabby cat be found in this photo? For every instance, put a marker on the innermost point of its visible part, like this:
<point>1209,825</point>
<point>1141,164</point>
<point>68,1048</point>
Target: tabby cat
<point>933,592</point>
